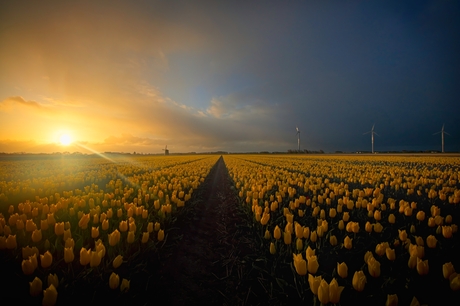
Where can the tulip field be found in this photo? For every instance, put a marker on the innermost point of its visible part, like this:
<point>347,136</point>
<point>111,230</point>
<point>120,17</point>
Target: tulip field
<point>328,229</point>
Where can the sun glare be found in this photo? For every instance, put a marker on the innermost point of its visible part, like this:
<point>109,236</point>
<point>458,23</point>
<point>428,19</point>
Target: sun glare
<point>65,140</point>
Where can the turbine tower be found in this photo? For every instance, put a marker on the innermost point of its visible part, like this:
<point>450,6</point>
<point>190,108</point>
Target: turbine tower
<point>372,136</point>
<point>442,137</point>
<point>298,137</point>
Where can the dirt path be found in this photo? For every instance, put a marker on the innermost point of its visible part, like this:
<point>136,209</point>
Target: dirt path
<point>207,265</point>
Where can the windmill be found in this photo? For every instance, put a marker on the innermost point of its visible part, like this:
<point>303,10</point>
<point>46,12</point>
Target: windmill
<point>166,150</point>
<point>372,137</point>
<point>298,137</point>
<point>442,137</point>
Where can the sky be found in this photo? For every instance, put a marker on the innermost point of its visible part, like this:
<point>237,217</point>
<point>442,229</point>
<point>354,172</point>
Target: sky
<point>236,76</point>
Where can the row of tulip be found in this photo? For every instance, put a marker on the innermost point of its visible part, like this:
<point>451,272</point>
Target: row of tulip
<point>93,232</point>
<point>389,208</point>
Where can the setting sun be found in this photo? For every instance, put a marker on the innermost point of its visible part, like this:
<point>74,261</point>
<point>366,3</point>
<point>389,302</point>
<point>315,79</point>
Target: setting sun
<point>65,140</point>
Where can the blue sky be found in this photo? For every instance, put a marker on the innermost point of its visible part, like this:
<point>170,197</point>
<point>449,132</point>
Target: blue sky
<point>234,76</point>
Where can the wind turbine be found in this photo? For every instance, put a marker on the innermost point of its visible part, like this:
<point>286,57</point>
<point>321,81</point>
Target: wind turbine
<point>442,137</point>
<point>298,137</point>
<point>372,136</point>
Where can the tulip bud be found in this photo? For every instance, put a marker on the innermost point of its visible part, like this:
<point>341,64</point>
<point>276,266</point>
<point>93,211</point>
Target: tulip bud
<point>455,283</point>
<point>287,238</point>
<point>431,222</point>
<point>117,261</point>
<point>96,257</point>
<point>59,228</point>
<point>412,263</point>
<point>347,242</point>
<point>161,235</point>
<point>145,237</point>
<point>49,296</point>
<point>277,233</point>
<point>335,291</point>
<point>431,241</point>
<point>449,219</point>
<point>53,280</point>
<point>300,264</point>
<point>359,280</point>
<point>306,232</point>
<point>420,215</point>
<point>313,264</point>
<point>94,232</point>
<point>69,256</point>
<point>36,287</point>
<point>368,227</point>
<point>130,237</point>
<point>391,219</point>
<point>412,229</point>
<point>333,240</point>
<point>46,259</point>
<point>447,231</point>
<point>402,235</point>
<point>124,285</point>
<point>374,267</point>
<point>392,300</point>
<point>69,243</point>
<point>342,269</point>
<point>390,254</point>
<point>85,256</point>
<point>37,236</point>
<point>11,242</point>
<point>323,292</point>
<point>447,270</point>
<point>378,228</point>
<point>314,282</point>
<point>27,267</point>
<point>422,266</point>
<point>272,248</point>
<point>313,236</point>
<point>114,280</point>
<point>114,238</point>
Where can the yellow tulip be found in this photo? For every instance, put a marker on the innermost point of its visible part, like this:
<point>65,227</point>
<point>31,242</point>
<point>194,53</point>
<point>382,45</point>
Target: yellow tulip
<point>70,243</point>
<point>85,256</point>
<point>49,296</point>
<point>37,235</point>
<point>53,280</point>
<point>46,260</point>
<point>368,227</point>
<point>157,226</point>
<point>35,287</point>
<point>69,256</point>
<point>335,291</point>
<point>313,236</point>
<point>391,219</point>
<point>347,242</point>
<point>123,226</point>
<point>341,225</point>
<point>114,280</point>
<point>105,224</point>
<point>447,270</point>
<point>300,264</point>
<point>346,216</point>
<point>130,237</point>
<point>145,237</point>
<point>447,231</point>
<point>94,232</point>
<point>117,261</point>
<point>27,267</point>
<point>96,257</point>
<point>455,283</point>
<point>161,235</point>
<point>272,248</point>
<point>422,266</point>
<point>84,220</point>
<point>287,238</point>
<point>11,242</point>
<point>420,215</point>
<point>44,225</point>
<point>114,238</point>
<point>59,228</point>
<point>402,235</point>
<point>306,232</point>
<point>359,280</point>
<point>378,228</point>
<point>30,225</point>
<point>314,282</point>
<point>390,254</point>
<point>431,241</point>
<point>392,300</point>
<point>124,285</point>
<point>342,270</point>
<point>412,263</point>
<point>333,240</point>
<point>313,264</point>
<point>150,227</point>
<point>332,213</point>
<point>374,267</point>
<point>323,292</point>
